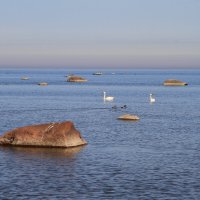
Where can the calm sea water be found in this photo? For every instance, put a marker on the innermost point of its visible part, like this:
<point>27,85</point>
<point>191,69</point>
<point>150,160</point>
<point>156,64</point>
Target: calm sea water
<point>157,157</point>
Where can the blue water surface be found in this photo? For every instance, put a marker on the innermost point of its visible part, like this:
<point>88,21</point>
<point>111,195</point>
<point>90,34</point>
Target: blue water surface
<point>157,157</point>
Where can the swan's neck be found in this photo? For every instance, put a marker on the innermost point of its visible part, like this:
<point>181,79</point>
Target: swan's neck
<point>104,95</point>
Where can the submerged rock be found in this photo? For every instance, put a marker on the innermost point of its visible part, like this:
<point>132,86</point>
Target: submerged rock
<point>173,82</point>
<point>128,117</point>
<point>76,79</point>
<point>61,134</point>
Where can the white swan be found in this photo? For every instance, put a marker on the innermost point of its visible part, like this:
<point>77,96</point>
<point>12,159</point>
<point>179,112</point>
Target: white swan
<point>152,98</point>
<point>107,98</point>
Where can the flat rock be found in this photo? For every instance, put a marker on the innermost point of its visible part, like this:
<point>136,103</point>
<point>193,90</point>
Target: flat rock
<point>76,79</point>
<point>173,82</point>
<point>97,73</point>
<point>56,134</point>
<point>128,117</point>
<point>43,84</point>
<point>24,78</point>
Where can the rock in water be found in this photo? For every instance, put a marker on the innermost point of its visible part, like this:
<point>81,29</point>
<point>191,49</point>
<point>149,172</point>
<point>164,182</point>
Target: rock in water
<point>76,79</point>
<point>24,78</point>
<point>61,134</point>
<point>128,117</point>
<point>172,82</point>
<point>97,73</point>
<point>43,84</point>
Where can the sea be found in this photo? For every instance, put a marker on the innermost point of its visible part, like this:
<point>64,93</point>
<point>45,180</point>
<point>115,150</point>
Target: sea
<point>156,157</point>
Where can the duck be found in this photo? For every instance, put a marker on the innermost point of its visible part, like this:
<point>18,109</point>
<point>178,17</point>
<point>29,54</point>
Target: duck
<point>114,107</point>
<point>121,107</point>
<point>124,106</point>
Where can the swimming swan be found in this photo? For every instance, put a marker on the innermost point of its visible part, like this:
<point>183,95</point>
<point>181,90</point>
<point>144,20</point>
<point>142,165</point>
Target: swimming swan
<point>152,98</point>
<point>107,98</point>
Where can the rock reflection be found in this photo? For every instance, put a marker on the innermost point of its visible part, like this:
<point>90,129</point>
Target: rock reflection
<point>44,152</point>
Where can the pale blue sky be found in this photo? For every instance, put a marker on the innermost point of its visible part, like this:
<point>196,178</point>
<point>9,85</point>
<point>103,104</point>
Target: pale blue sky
<point>100,33</point>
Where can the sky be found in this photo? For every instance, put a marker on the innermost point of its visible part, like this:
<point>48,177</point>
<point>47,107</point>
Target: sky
<point>100,33</point>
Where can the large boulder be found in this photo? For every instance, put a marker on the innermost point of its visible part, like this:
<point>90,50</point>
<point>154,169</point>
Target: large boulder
<point>57,134</point>
<point>76,79</point>
<point>173,82</point>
